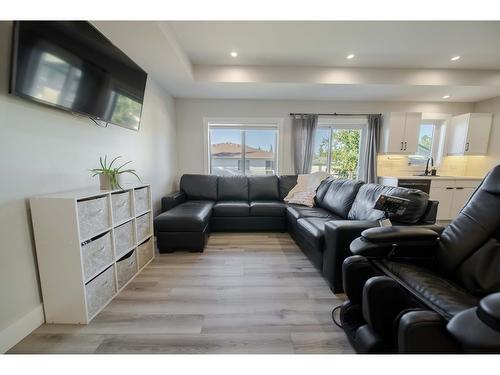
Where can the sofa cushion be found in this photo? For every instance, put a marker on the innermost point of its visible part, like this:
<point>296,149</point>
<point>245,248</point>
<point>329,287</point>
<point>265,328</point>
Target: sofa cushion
<point>190,216</point>
<point>231,208</point>
<point>313,230</point>
<point>340,196</point>
<point>197,186</point>
<point>435,291</point>
<point>296,212</point>
<point>362,208</point>
<point>263,188</point>
<point>286,183</point>
<point>234,188</point>
<point>267,208</point>
<point>322,189</point>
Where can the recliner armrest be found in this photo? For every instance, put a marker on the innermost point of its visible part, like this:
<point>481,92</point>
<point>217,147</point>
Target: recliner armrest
<point>171,200</point>
<point>478,329</point>
<point>399,234</point>
<point>424,331</point>
<point>396,242</point>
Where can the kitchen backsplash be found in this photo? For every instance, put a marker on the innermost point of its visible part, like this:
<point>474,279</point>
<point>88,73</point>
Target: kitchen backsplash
<point>397,165</point>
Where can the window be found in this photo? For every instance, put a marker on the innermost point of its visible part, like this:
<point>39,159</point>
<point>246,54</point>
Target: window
<point>337,147</point>
<point>428,143</point>
<point>227,143</point>
<point>425,140</point>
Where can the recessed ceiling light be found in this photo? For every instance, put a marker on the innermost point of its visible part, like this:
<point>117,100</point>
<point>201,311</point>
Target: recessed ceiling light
<point>446,96</point>
<point>351,56</point>
<point>455,58</point>
<point>234,54</point>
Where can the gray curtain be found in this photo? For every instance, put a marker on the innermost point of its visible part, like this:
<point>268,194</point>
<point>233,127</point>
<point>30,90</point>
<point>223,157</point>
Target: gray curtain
<point>304,130</point>
<point>369,171</point>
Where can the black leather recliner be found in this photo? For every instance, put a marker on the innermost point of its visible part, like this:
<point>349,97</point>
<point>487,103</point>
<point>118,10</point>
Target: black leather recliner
<point>415,290</point>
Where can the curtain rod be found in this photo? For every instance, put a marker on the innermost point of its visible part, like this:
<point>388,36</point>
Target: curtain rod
<point>334,114</point>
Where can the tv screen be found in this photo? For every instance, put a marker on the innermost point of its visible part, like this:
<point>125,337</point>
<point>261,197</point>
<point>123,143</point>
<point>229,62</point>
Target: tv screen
<point>72,66</point>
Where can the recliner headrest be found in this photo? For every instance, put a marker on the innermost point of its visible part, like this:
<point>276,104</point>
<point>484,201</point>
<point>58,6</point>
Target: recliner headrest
<point>491,183</point>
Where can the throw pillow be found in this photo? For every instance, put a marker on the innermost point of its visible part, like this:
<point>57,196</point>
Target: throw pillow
<point>304,198</point>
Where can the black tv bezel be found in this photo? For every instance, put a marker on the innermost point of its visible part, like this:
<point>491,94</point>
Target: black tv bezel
<point>12,81</point>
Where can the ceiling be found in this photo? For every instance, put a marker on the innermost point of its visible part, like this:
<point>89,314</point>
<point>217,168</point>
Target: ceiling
<point>400,61</point>
<point>376,44</point>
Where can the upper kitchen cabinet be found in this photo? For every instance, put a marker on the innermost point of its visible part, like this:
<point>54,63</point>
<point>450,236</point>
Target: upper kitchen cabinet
<point>468,134</point>
<point>400,133</point>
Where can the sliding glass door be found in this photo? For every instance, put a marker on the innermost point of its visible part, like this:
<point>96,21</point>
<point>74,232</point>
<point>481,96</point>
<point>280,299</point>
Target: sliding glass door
<point>337,147</point>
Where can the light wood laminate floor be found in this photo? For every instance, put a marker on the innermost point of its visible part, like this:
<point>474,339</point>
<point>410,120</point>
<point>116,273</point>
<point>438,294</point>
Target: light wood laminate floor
<point>247,293</point>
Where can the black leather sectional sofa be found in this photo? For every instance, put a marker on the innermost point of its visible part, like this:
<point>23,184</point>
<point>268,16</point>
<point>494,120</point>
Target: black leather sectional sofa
<point>344,208</point>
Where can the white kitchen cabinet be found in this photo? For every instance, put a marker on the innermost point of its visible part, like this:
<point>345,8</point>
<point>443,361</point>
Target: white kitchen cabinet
<point>460,197</point>
<point>412,130</point>
<point>444,195</point>
<point>452,196</point>
<point>469,134</point>
<point>400,132</point>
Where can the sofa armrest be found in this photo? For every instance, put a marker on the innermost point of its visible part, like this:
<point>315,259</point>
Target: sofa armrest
<point>430,214</point>
<point>338,236</point>
<point>396,242</point>
<point>171,200</point>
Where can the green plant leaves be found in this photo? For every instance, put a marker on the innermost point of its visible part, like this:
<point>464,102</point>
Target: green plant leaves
<point>112,173</point>
<point>124,164</point>
<point>115,159</point>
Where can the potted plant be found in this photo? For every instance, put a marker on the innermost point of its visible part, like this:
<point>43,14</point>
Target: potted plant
<point>109,177</point>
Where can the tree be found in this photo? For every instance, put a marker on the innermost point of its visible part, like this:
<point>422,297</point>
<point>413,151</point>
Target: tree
<point>321,157</point>
<point>425,146</point>
<point>323,147</point>
<point>345,152</point>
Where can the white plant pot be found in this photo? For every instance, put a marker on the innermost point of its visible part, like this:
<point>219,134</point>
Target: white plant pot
<point>106,183</point>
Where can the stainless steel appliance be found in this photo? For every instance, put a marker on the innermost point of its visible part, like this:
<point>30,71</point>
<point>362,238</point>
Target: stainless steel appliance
<point>420,184</point>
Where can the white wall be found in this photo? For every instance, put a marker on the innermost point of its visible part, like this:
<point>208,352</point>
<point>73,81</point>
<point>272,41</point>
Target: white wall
<point>44,150</point>
<point>481,164</point>
<point>190,114</point>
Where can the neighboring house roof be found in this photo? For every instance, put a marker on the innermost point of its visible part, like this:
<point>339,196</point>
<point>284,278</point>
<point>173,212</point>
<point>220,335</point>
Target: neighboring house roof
<point>233,150</point>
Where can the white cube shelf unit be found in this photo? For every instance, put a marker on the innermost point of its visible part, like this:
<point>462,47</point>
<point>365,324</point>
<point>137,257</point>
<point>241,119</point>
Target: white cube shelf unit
<point>90,244</point>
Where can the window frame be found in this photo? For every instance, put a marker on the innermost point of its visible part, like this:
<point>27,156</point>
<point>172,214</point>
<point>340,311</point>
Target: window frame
<point>343,123</point>
<point>243,123</point>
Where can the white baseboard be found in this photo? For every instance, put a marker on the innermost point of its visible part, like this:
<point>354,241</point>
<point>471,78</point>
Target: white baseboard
<point>18,330</point>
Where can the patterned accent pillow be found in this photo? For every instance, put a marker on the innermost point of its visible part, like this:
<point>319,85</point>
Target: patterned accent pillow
<point>304,198</point>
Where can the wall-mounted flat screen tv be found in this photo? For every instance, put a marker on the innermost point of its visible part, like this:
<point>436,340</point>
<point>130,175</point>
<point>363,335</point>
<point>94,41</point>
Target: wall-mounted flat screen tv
<point>72,66</point>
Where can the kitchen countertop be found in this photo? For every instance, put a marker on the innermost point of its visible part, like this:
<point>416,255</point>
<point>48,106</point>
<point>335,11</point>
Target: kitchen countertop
<point>434,177</point>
